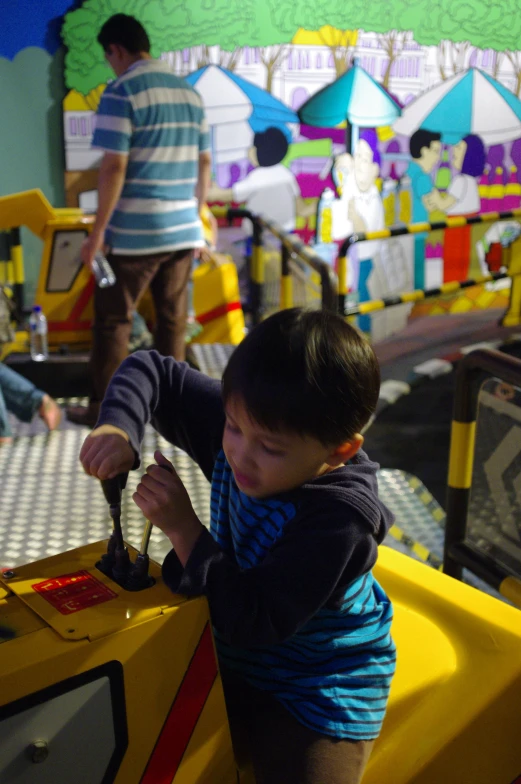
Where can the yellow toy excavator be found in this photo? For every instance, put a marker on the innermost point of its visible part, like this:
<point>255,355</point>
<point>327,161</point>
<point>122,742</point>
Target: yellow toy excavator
<point>109,678</point>
<point>65,287</point>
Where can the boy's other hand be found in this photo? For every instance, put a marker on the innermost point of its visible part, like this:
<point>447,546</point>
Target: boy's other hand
<point>163,499</point>
<point>106,452</point>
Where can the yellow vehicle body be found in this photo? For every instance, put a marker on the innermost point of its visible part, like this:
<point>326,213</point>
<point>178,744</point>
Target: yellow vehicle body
<point>453,717</point>
<point>65,287</point>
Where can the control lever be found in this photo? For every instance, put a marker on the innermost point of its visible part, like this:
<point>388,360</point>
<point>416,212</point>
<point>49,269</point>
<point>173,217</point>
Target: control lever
<point>115,562</point>
<point>139,577</point>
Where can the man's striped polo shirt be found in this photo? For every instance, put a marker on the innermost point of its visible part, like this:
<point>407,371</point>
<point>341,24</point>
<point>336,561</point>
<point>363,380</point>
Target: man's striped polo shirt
<point>157,119</point>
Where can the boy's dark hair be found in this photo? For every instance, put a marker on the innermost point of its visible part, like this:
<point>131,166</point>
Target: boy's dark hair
<point>271,146</point>
<point>124,31</point>
<point>421,139</point>
<point>307,372</point>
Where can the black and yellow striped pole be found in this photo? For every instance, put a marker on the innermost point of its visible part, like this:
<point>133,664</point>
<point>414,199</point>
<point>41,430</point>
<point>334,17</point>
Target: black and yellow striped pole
<point>307,255</point>
<point>342,281</point>
<point>256,270</point>
<point>5,261</point>
<point>458,552</point>
<point>18,271</point>
<point>512,317</point>
<point>286,282</point>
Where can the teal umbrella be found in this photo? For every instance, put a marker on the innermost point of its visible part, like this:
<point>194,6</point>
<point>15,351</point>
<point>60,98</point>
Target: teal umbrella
<point>354,97</point>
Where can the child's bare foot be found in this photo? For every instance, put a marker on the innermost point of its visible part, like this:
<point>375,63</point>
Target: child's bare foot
<point>6,440</point>
<point>50,412</point>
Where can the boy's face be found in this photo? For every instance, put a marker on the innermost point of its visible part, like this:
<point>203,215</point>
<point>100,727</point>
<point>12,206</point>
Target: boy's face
<point>266,463</point>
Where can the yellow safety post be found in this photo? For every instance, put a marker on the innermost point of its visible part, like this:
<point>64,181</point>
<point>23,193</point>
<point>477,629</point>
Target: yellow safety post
<point>513,315</point>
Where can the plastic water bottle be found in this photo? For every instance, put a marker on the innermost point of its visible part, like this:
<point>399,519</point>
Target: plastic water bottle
<point>102,271</point>
<point>38,335</point>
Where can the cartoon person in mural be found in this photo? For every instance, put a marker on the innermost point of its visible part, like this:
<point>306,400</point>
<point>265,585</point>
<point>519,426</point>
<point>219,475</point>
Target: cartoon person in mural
<point>425,149</point>
<point>360,209</point>
<point>270,189</point>
<point>462,198</point>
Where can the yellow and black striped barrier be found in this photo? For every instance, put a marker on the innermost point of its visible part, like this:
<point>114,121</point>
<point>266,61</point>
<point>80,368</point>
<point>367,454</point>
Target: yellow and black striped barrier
<point>459,553</point>
<point>420,294</point>
<point>513,316</point>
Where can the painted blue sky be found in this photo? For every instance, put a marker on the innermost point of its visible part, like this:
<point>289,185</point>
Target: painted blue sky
<point>32,23</point>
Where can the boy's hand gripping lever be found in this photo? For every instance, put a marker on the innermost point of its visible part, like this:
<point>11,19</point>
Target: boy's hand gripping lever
<point>139,577</point>
<point>116,562</point>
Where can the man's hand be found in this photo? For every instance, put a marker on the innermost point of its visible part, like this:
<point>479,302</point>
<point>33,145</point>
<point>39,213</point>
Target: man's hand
<point>106,452</point>
<point>163,499</point>
<point>90,246</point>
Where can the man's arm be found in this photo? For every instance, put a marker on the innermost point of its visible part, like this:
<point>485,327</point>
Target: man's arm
<point>110,184</point>
<point>203,178</point>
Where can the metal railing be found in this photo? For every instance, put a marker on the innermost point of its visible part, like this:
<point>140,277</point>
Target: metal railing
<point>459,552</point>
<point>296,261</point>
<point>512,260</point>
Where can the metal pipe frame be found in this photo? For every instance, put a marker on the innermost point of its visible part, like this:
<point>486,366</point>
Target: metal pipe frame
<point>472,370</point>
<point>290,245</point>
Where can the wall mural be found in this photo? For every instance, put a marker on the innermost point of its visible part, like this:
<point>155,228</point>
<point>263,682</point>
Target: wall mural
<point>329,127</point>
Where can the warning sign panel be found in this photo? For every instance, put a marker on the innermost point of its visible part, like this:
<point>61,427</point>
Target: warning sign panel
<point>73,592</point>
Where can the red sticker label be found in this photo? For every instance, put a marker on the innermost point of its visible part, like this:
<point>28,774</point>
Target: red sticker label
<point>73,592</point>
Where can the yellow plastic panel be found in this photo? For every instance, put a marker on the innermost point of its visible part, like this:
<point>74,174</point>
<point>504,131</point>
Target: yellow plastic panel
<point>454,711</point>
<point>27,208</point>
<point>157,655</point>
<point>216,290</point>
<point>112,609</point>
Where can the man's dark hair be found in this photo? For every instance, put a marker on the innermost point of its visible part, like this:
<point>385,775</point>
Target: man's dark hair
<point>124,31</point>
<point>271,146</point>
<point>307,372</point>
<point>421,139</point>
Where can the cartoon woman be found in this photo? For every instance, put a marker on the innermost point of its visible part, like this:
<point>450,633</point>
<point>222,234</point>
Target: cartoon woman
<point>462,198</point>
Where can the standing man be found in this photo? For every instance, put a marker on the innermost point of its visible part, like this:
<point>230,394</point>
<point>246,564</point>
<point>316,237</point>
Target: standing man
<point>425,148</point>
<point>153,178</point>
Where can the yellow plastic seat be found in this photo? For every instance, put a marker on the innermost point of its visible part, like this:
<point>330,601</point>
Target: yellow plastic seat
<point>454,712</point>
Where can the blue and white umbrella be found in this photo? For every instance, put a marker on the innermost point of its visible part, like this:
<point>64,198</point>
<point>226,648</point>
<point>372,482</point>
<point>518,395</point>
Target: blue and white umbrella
<point>236,109</point>
<point>471,102</point>
<point>356,97</point>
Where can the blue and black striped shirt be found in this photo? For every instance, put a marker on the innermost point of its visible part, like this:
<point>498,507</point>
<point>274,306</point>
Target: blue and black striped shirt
<point>295,608</point>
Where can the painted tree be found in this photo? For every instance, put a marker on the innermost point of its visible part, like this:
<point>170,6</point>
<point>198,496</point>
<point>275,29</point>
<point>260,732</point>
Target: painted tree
<point>456,25</point>
<point>171,25</point>
<point>390,19</point>
<point>277,22</point>
<point>341,44</point>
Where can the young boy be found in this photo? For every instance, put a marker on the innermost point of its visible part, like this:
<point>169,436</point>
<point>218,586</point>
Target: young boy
<point>301,626</point>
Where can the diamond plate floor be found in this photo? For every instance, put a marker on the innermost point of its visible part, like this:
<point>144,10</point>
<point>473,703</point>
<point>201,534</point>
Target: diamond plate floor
<point>48,505</point>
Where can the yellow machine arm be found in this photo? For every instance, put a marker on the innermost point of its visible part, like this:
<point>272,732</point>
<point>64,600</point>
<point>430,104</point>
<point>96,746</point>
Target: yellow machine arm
<point>28,208</point>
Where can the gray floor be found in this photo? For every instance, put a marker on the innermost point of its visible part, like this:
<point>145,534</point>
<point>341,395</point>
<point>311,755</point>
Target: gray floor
<point>48,505</point>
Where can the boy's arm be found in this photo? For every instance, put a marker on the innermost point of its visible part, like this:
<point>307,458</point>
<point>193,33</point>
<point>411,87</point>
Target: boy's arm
<point>184,406</point>
<point>263,605</point>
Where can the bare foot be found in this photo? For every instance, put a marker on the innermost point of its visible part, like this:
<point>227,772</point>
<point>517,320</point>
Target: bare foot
<point>50,412</point>
<point>6,440</point>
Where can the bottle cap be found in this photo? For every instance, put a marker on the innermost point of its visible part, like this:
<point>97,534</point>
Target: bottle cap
<point>37,308</point>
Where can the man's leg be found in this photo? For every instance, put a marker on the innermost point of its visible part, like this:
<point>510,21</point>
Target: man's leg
<point>170,295</point>
<point>113,308</point>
